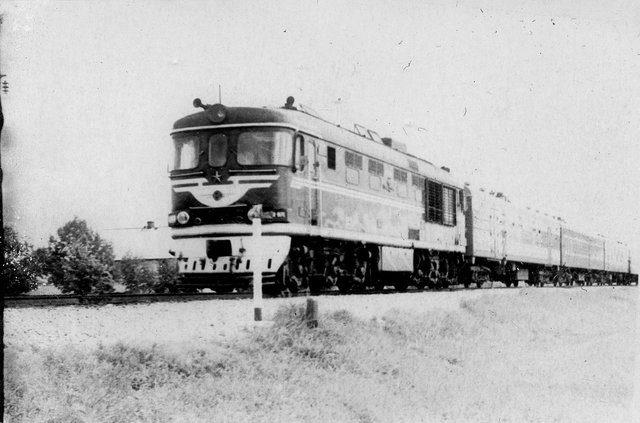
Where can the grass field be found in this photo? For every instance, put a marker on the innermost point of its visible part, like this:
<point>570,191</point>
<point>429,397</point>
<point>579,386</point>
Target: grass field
<point>542,355</point>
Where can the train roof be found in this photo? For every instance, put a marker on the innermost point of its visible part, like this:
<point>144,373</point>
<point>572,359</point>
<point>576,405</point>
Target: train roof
<point>236,115</point>
<point>318,127</point>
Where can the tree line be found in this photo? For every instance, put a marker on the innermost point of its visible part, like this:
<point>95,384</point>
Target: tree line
<point>78,261</point>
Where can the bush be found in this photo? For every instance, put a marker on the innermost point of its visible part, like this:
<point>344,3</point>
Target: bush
<point>79,261</point>
<point>138,276</point>
<point>21,268</point>
<point>167,276</point>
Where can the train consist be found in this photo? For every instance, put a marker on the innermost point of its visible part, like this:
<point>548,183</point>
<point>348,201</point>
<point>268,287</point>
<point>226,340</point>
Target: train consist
<point>350,210</point>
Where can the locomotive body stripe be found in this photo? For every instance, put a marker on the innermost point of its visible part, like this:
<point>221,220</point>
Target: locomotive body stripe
<point>298,183</point>
<point>240,229</point>
<point>231,190</point>
<point>254,171</point>
<point>206,184</point>
<point>257,181</point>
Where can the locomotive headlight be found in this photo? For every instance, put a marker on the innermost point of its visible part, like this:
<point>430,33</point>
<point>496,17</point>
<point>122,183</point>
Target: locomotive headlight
<point>182,217</point>
<point>216,113</point>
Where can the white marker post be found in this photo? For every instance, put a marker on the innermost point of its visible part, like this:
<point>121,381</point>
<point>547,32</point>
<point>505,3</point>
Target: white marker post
<point>257,268</point>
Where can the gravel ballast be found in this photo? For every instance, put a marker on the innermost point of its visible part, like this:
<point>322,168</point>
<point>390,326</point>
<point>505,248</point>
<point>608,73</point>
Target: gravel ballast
<point>192,323</point>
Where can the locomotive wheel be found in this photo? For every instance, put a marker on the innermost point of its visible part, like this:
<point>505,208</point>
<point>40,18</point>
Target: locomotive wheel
<point>433,279</point>
<point>378,284</point>
<point>315,283</point>
<point>223,289</point>
<point>344,283</point>
<point>292,285</point>
<point>273,290</point>
<point>401,284</point>
<point>188,289</point>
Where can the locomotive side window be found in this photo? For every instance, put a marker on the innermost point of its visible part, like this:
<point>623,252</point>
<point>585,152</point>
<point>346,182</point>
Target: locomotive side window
<point>353,163</point>
<point>186,151</point>
<point>417,181</point>
<point>353,160</point>
<point>376,168</point>
<point>376,172</point>
<point>400,176</point>
<point>418,187</point>
<point>331,158</point>
<point>265,147</point>
<point>218,150</point>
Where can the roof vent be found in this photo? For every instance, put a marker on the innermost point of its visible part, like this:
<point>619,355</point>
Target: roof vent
<point>396,145</point>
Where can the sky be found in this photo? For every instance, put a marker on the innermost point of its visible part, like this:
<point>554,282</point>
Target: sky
<point>540,100</point>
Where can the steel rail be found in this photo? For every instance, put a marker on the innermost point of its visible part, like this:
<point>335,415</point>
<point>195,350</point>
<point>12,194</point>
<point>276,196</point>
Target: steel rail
<point>126,298</point>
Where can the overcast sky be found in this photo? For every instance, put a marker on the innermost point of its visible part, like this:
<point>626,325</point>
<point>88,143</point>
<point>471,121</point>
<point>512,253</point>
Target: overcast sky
<point>539,100</point>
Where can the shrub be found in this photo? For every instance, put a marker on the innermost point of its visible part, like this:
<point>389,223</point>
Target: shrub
<point>139,276</point>
<point>21,268</point>
<point>167,276</point>
<point>135,275</point>
<point>79,261</point>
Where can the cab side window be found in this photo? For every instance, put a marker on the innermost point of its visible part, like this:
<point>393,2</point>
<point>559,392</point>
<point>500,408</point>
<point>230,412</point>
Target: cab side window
<point>331,158</point>
<point>300,153</point>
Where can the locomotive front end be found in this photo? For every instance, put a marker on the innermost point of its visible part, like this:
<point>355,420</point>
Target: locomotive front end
<point>229,163</point>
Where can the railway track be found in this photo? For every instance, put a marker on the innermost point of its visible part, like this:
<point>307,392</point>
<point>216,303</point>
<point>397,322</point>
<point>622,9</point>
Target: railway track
<point>124,298</point>
<point>117,298</point>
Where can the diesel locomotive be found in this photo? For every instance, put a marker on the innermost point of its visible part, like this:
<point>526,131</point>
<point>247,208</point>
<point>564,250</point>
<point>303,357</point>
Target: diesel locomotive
<point>348,209</point>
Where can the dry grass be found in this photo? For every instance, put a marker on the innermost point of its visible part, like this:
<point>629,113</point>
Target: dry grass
<point>541,355</point>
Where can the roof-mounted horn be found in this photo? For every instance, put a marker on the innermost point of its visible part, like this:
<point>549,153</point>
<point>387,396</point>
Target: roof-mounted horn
<point>215,112</point>
<point>198,103</point>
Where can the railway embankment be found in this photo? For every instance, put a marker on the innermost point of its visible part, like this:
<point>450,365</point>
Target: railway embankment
<point>483,355</point>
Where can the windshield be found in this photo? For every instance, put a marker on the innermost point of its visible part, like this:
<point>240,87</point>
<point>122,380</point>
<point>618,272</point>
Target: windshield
<point>253,146</point>
<point>186,152</point>
<point>265,147</point>
<point>218,150</point>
